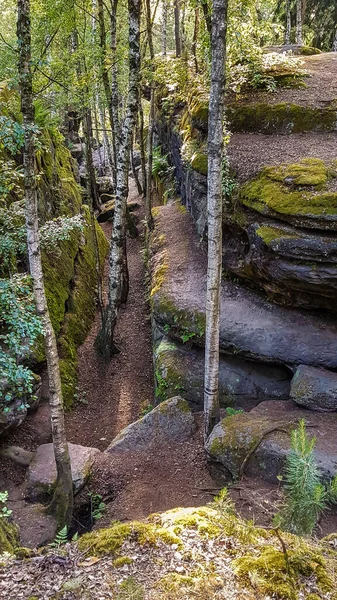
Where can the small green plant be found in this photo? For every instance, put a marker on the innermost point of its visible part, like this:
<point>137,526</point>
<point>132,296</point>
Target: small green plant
<point>162,385</point>
<point>305,497</point>
<point>145,408</point>
<point>4,511</point>
<point>186,336</point>
<point>230,411</point>
<point>61,538</point>
<point>97,506</point>
<point>129,589</point>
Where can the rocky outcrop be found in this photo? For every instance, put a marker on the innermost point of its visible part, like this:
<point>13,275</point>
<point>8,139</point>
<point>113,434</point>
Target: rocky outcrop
<point>250,327</point>
<point>257,443</point>
<point>172,420</point>
<point>41,475</point>
<point>179,368</point>
<point>314,388</point>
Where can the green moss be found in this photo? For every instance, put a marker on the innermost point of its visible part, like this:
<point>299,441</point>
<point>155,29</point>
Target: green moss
<point>280,118</point>
<point>292,190</point>
<point>8,537</point>
<point>308,50</point>
<point>110,541</point>
<point>120,561</point>
<point>199,162</point>
<point>269,234</point>
<point>180,320</point>
<point>271,572</point>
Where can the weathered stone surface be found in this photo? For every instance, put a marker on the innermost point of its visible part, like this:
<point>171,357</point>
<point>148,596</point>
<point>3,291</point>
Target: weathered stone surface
<point>179,368</point>
<point>249,326</point>
<point>171,420</point>
<point>41,474</point>
<point>13,413</point>
<point>295,268</point>
<point>261,439</point>
<point>315,388</point>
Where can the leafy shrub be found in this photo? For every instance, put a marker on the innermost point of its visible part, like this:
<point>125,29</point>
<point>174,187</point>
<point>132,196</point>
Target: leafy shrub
<point>265,71</point>
<point>305,497</point>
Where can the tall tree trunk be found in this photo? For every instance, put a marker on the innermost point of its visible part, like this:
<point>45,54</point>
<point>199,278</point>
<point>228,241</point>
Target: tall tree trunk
<point>62,500</point>
<point>177,27</point>
<point>214,210</point>
<point>207,16</point>
<point>299,22</point>
<point>134,172</point>
<point>164,28</point>
<point>91,174</point>
<point>142,145</point>
<point>148,203</point>
<point>288,23</point>
<point>195,38</point>
<point>106,142</point>
<point>117,257</point>
<point>114,83</point>
<point>105,80</point>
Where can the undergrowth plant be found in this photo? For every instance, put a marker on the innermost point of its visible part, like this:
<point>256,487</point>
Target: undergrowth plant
<point>4,511</point>
<point>305,496</point>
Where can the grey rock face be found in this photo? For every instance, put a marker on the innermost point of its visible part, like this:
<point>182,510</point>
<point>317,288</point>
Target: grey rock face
<point>41,474</point>
<point>315,388</point>
<point>242,383</point>
<point>171,420</point>
<point>260,440</point>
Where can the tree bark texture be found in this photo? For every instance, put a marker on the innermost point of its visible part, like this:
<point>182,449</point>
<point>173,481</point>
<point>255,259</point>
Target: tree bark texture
<point>288,23</point>
<point>91,173</point>
<point>148,203</point>
<point>195,38</point>
<point>164,28</point>
<point>118,282</point>
<point>114,82</point>
<point>214,211</point>
<point>63,495</point>
<point>299,22</point>
<point>177,27</point>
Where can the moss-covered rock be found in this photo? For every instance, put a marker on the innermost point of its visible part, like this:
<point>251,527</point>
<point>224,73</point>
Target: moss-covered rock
<point>199,162</point>
<point>9,537</point>
<point>280,118</point>
<point>298,193</point>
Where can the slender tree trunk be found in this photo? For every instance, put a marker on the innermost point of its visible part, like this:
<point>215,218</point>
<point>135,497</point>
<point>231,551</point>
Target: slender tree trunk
<point>134,173</point>
<point>106,142</point>
<point>62,500</point>
<point>334,45</point>
<point>142,146</point>
<point>117,258</point>
<point>207,17</point>
<point>164,28</point>
<point>299,22</point>
<point>91,174</point>
<point>106,82</point>
<point>177,27</point>
<point>148,203</point>
<point>288,24</point>
<point>195,38</point>
<point>214,210</point>
<point>114,84</point>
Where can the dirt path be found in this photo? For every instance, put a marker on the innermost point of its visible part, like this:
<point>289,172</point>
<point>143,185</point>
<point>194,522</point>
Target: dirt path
<point>114,393</point>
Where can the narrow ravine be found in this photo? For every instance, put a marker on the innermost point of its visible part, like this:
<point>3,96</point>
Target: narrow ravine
<point>112,395</point>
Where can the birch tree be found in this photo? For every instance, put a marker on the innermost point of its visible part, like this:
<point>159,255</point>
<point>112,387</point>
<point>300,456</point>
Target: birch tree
<point>214,212</point>
<point>299,22</point>
<point>288,22</point>
<point>117,257</point>
<point>62,500</point>
<point>177,27</point>
<point>164,28</point>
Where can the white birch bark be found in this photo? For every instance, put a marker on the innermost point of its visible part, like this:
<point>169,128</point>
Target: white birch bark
<point>214,211</point>
<point>63,496</point>
<point>299,24</point>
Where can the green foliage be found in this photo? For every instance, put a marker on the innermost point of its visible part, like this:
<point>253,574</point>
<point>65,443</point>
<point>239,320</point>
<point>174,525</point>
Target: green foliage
<point>233,411</point>
<point>97,506</point>
<point>61,538</point>
<point>160,166</point>
<point>305,496</point>
<point>4,511</point>
<point>20,328</point>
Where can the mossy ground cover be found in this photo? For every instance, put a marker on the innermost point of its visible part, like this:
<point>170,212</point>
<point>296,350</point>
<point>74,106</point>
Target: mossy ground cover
<point>202,553</point>
<point>299,189</point>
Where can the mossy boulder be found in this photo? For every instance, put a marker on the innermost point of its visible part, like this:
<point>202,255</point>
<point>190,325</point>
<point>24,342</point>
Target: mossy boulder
<point>258,442</point>
<point>172,420</point>
<point>298,193</point>
<point>280,118</point>
<point>199,162</point>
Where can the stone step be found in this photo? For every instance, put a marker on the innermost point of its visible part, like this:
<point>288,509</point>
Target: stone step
<point>250,326</point>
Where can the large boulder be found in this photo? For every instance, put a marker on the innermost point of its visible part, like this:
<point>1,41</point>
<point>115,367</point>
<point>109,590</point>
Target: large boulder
<point>242,383</point>
<point>258,442</point>
<point>41,475</point>
<point>315,388</point>
<point>171,420</point>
